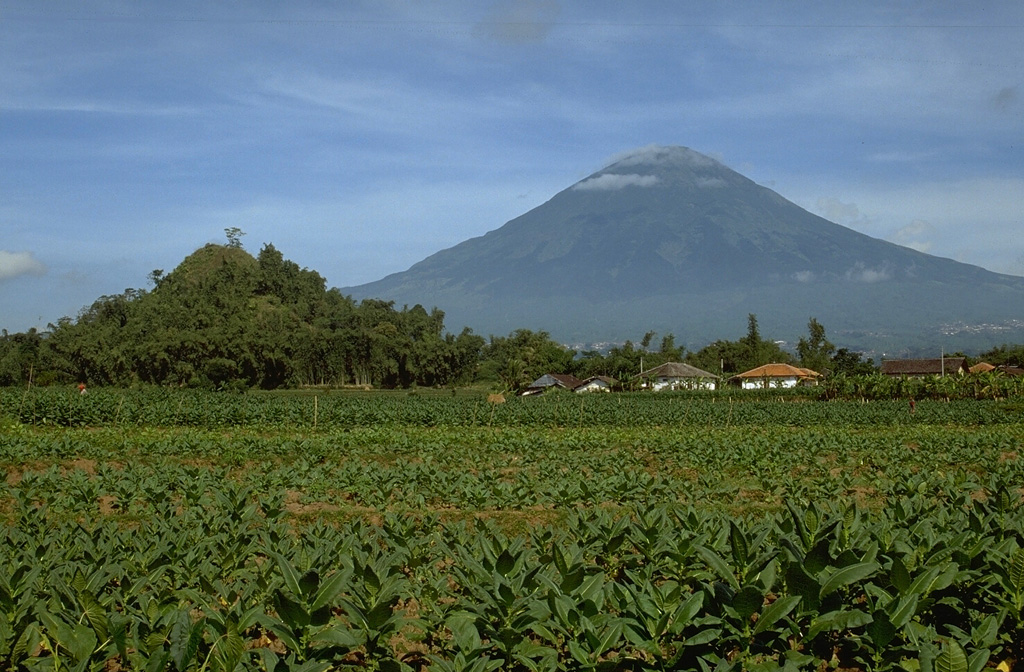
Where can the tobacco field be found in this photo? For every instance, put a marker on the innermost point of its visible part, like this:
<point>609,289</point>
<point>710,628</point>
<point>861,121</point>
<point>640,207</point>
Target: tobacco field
<point>183,530</point>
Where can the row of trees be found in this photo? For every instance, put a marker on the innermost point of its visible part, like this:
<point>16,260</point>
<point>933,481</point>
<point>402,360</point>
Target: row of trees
<point>226,319</point>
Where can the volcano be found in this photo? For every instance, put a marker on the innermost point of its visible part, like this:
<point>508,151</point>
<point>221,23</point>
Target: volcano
<point>671,240</point>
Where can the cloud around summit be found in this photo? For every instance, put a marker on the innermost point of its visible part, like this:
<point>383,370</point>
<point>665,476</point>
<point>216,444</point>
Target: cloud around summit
<point>613,182</point>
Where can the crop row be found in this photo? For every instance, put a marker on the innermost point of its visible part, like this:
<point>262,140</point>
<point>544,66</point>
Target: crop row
<point>71,470</point>
<point>223,581</point>
<point>190,408</point>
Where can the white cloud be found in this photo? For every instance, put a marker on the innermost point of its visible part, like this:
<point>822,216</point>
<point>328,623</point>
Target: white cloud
<point>936,215</point>
<point>803,276</point>
<point>611,182</point>
<point>836,211</point>
<point>861,273</point>
<point>14,264</point>
<point>913,235</point>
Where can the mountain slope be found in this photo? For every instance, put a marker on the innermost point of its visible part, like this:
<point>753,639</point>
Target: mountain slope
<point>670,239</point>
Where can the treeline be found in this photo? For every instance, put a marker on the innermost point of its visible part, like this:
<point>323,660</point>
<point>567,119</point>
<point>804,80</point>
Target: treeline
<point>227,320</point>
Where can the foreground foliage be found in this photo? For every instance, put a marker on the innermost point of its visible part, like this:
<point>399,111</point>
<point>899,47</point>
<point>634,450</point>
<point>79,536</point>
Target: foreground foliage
<point>156,531</point>
<point>221,580</point>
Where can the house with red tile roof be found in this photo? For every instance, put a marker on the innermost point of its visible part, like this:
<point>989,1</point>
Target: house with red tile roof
<point>775,375</point>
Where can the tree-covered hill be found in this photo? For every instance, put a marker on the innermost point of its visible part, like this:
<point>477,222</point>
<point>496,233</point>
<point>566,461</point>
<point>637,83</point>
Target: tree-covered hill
<point>224,318</point>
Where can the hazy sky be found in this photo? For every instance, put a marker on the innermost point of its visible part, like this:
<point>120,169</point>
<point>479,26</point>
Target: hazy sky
<point>359,138</point>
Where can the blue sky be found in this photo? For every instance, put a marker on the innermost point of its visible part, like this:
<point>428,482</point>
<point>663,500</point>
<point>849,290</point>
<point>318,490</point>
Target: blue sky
<point>359,138</point>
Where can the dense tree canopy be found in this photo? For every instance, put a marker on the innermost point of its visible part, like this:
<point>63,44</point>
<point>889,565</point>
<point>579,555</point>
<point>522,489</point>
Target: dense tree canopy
<point>1011,355</point>
<point>815,351</point>
<point>523,356</point>
<point>226,319</point>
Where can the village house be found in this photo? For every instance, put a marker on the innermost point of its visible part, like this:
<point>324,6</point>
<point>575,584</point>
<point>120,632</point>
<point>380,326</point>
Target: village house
<point>678,376</point>
<point>919,368</point>
<point>775,375</point>
<point>597,384</point>
<point>552,380</point>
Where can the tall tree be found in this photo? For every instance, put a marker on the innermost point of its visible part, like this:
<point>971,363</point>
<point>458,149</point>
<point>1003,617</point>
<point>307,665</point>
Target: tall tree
<point>815,351</point>
<point>737,356</point>
<point>753,342</point>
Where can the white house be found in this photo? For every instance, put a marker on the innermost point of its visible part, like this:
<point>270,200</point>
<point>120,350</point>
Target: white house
<point>679,376</point>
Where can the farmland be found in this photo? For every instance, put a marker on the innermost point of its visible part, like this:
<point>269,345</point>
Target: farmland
<point>185,530</point>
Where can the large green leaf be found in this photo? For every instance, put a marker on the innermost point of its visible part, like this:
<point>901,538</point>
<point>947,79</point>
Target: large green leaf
<point>185,638</point>
<point>1017,571</point>
<point>776,611</point>
<point>291,576</point>
<point>717,563</point>
<point>329,590</point>
<point>747,601</point>
<point>739,545</point>
<point>899,576</point>
<point>846,576</point>
<point>902,611</point>
<point>953,658</point>
<point>338,635</point>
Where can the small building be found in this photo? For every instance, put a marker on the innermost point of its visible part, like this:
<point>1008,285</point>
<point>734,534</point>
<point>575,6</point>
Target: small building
<point>919,368</point>
<point>552,380</point>
<point>774,376</point>
<point>1010,370</point>
<point>597,384</point>
<point>679,376</point>
<point>982,367</point>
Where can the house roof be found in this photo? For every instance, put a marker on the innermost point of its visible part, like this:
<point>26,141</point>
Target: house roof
<point>923,367</point>
<point>1010,370</point>
<point>676,370</point>
<point>981,367</point>
<point>557,379</point>
<point>777,370</point>
<point>607,380</point>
